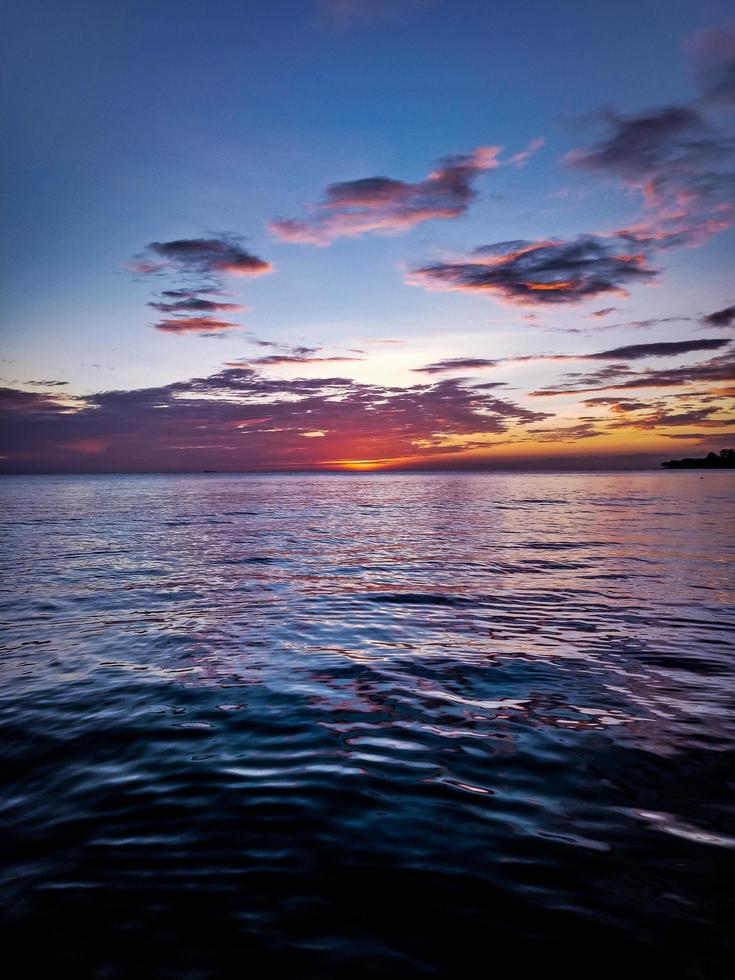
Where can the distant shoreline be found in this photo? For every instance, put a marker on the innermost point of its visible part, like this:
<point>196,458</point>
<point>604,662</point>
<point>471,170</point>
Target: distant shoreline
<point>371,473</point>
<point>725,460</point>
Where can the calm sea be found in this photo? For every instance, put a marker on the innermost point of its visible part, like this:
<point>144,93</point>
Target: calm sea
<point>368,725</point>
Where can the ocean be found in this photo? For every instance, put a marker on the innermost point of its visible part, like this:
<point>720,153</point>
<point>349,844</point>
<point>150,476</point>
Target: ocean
<point>368,725</point>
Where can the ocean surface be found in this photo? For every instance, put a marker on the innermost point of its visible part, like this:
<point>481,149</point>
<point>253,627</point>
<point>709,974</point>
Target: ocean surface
<point>440,725</point>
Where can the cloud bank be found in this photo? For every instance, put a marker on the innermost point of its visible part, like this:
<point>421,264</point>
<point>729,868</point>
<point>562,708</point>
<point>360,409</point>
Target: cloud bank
<point>239,419</point>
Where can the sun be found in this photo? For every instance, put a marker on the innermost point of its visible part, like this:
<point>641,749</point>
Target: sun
<point>358,465</point>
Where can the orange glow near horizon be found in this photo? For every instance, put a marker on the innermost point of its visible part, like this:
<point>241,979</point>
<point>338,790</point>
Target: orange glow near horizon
<point>359,464</point>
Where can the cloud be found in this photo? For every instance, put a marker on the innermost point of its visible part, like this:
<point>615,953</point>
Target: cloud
<point>666,419</point>
<point>456,364</point>
<point>278,360</point>
<point>631,352</point>
<point>630,324</point>
<point>644,143</point>
<point>596,314</point>
<point>714,56</point>
<point>522,158</point>
<point>540,273</point>
<point>619,377</point>
<point>716,438</point>
<point>209,257</point>
<point>239,419</point>
<point>284,348</point>
<point>382,204</point>
<point>86,447</point>
<point>205,263</point>
<point>382,340</point>
<point>569,433</point>
<point>680,165</point>
<point>614,404</point>
<point>195,304</point>
<point>33,402</point>
<point>720,318</point>
<point>47,383</point>
<point>194,324</point>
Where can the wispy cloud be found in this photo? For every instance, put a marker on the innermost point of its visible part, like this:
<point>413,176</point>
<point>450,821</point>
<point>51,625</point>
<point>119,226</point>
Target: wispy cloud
<point>720,318</point>
<point>522,158</point>
<point>631,352</point>
<point>619,377</point>
<point>280,360</point>
<point>456,364</point>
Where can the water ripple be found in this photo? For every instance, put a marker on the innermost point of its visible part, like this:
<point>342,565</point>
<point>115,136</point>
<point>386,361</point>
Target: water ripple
<point>396,725</point>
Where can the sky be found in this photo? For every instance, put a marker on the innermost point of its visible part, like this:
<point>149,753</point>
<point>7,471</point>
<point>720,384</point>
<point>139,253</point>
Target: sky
<point>366,234</point>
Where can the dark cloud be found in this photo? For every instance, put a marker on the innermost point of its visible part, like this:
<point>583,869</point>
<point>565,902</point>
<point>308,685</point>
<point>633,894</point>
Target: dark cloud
<point>614,404</point>
<point>664,417</point>
<point>240,419</point>
<point>205,262</point>
<point>195,304</point>
<point>277,360</point>
<point>701,435</point>
<point>678,162</point>
<point>618,377</point>
<point>47,383</point>
<point>194,324</point>
<point>221,255</point>
<point>653,322</point>
<point>720,318</point>
<point>185,293</point>
<point>382,204</point>
<point>714,53</point>
<point>644,144</point>
<point>596,314</point>
<point>297,350</point>
<point>540,273</point>
<point>631,352</point>
<point>568,433</point>
<point>33,402</point>
<point>664,349</point>
<point>456,364</point>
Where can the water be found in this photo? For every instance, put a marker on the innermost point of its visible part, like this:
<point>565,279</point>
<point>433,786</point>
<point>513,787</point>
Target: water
<point>368,725</point>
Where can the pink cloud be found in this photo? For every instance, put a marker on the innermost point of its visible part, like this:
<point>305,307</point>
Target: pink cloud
<point>195,324</point>
<point>382,204</point>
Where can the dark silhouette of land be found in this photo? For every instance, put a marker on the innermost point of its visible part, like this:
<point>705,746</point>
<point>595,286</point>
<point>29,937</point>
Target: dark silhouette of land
<point>724,460</point>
